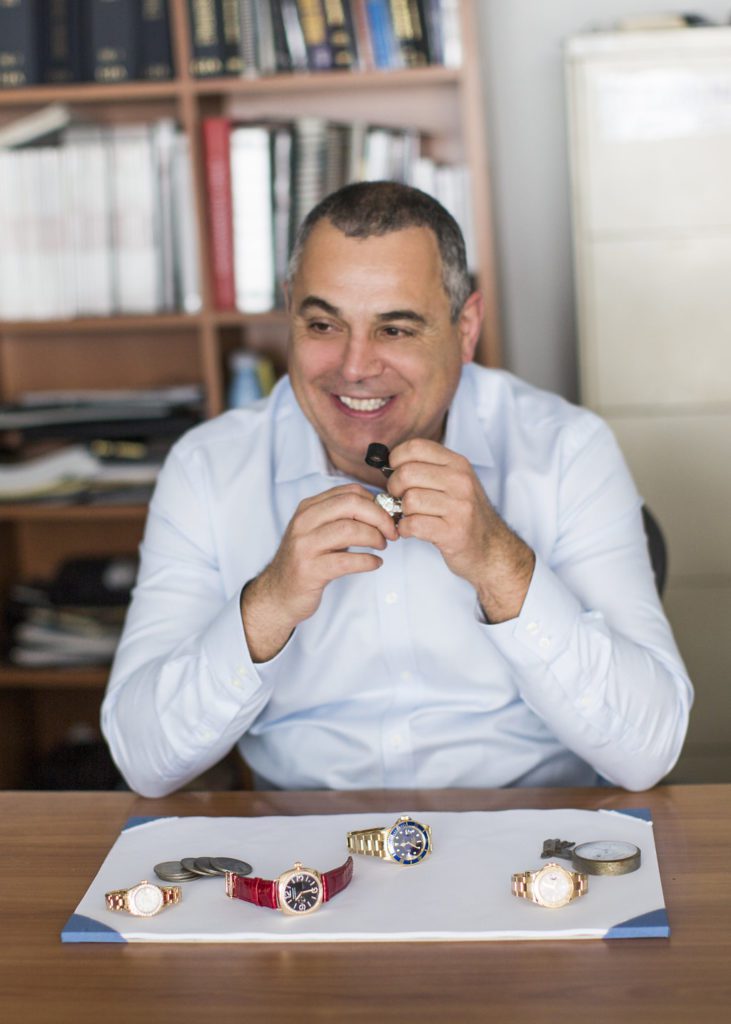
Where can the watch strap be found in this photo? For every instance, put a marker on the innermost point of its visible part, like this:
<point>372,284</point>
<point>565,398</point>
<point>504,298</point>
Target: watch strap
<point>262,892</point>
<point>336,880</point>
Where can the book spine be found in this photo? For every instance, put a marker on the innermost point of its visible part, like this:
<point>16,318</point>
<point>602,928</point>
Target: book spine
<point>20,44</point>
<point>114,39</point>
<point>359,14</point>
<point>431,22</point>
<point>217,151</point>
<point>208,56</point>
<point>249,38</point>
<point>296,47</point>
<point>341,34</point>
<point>314,29</point>
<point>283,60</point>
<point>386,53</point>
<point>62,46</point>
<point>409,32</point>
<point>156,56</point>
<point>230,21</point>
<point>253,233</point>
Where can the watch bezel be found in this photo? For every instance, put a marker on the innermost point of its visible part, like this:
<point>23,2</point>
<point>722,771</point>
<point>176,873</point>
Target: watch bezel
<point>131,898</point>
<point>284,880</point>
<point>614,866</point>
<point>397,827</point>
<point>537,876</point>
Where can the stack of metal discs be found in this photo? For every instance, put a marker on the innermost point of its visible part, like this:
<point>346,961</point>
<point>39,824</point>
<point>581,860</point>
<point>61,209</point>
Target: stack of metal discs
<point>190,868</point>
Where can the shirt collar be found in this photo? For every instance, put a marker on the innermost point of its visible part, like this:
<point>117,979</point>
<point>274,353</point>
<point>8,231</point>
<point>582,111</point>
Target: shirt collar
<point>301,452</point>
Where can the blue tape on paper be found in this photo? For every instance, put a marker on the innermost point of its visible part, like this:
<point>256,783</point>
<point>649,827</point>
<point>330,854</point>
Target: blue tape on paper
<point>140,820</point>
<point>80,928</point>
<point>636,812</point>
<point>653,925</point>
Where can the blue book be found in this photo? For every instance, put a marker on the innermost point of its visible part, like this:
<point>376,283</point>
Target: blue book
<point>386,52</point>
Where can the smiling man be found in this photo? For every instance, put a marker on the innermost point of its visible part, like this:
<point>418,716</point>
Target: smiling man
<point>505,631</point>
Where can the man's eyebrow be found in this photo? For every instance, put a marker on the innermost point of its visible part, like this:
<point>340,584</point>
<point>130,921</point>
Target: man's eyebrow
<point>314,300</point>
<point>402,314</point>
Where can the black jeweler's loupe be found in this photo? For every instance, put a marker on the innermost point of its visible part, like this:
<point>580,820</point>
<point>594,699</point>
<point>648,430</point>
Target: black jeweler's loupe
<point>377,457</point>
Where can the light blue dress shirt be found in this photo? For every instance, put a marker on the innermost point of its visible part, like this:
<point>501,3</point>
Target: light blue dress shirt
<point>397,680</point>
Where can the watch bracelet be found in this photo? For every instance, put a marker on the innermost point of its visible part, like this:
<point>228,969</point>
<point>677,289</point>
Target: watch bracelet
<point>369,841</point>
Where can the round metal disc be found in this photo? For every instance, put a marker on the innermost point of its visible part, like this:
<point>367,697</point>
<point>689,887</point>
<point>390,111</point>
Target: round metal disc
<point>203,866</point>
<point>191,864</point>
<point>173,871</point>
<point>223,864</point>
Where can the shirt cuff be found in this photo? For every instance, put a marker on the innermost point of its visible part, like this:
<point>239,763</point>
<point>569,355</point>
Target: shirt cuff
<point>229,662</point>
<point>543,629</point>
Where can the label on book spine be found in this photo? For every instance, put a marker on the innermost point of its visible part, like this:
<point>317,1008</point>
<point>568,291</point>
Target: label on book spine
<point>156,57</point>
<point>114,34</point>
<point>20,43</point>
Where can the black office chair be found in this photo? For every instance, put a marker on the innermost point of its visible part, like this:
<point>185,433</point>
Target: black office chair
<point>657,547</point>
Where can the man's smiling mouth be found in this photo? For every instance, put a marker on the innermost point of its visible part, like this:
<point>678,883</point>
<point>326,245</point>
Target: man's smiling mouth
<point>364,404</point>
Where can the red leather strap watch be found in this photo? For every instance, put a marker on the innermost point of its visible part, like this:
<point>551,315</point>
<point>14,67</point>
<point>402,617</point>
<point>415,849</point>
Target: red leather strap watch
<point>297,891</point>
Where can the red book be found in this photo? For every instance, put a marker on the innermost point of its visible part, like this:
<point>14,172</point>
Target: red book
<point>216,135</point>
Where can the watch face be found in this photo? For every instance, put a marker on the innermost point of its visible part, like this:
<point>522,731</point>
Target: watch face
<point>145,900</point>
<point>553,886</point>
<point>408,842</point>
<point>300,892</point>
<point>606,849</point>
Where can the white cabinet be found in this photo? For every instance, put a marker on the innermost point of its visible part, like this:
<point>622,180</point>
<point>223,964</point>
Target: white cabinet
<point>650,138</point>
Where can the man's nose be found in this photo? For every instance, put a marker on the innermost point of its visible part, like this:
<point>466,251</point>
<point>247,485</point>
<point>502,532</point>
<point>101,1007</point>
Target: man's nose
<point>360,357</point>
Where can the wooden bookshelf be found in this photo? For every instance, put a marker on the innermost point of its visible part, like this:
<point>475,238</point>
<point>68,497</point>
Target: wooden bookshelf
<point>158,351</point>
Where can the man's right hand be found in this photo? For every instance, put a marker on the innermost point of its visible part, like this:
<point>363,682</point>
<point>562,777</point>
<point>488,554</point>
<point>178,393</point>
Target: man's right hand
<point>313,551</point>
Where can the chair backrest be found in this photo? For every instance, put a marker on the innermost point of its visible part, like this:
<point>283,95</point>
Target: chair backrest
<point>657,548</point>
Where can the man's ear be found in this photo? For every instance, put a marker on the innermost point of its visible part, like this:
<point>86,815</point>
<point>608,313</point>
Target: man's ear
<point>469,324</point>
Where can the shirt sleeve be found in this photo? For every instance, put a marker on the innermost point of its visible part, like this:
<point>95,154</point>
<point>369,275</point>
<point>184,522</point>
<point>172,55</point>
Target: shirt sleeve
<point>183,687</point>
<point>592,648</point>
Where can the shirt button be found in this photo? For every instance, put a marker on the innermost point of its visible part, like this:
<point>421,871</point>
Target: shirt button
<point>391,597</point>
<point>406,675</point>
<point>545,642</point>
<point>532,627</point>
<point>396,741</point>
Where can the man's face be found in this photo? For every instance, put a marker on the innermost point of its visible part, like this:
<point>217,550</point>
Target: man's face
<point>373,354</point>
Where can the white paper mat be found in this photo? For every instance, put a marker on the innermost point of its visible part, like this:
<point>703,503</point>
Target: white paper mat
<point>461,892</point>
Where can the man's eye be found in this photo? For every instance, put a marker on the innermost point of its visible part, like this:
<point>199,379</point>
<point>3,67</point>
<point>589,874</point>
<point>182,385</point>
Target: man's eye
<point>319,326</point>
<point>396,332</point>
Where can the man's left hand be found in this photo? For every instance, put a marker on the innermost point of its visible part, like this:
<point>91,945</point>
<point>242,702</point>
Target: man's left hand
<point>444,503</point>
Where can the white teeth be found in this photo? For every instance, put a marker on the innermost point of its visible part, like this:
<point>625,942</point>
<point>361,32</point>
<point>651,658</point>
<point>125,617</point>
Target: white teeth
<point>363,404</point>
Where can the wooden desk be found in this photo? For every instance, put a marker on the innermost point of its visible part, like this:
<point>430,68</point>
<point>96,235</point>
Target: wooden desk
<point>51,845</point>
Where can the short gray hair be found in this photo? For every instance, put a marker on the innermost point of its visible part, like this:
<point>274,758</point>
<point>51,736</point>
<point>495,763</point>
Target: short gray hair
<point>369,208</point>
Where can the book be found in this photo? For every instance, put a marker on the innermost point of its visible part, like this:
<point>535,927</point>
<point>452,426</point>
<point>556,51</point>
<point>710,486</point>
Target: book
<point>163,144</point>
<point>90,206</point>
<point>314,30</point>
<point>266,54</point>
<point>61,40</point>
<point>282,57</point>
<point>253,229</point>
<point>208,51</point>
<point>287,13</point>
<point>248,37</point>
<point>185,230</point>
<point>156,58</point>
<point>451,32</point>
<point>114,34</point>
<point>341,36</point>
<point>216,148</point>
<point>135,219</point>
<point>359,17</point>
<point>386,51</point>
<point>230,28</point>
<point>37,126</point>
<point>409,32</point>
<point>21,48</point>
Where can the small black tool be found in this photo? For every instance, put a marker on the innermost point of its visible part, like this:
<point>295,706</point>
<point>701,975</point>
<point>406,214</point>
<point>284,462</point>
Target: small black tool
<point>377,456</point>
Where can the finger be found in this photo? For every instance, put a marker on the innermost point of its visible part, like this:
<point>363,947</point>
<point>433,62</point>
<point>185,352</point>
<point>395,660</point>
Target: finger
<point>449,479</point>
<point>432,529</point>
<point>418,449</point>
<point>333,492</point>
<point>345,505</point>
<point>426,501</point>
<point>347,563</point>
<point>346,533</point>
